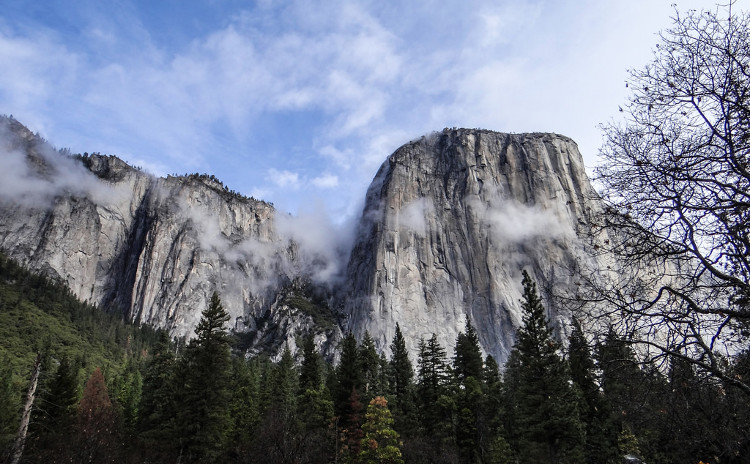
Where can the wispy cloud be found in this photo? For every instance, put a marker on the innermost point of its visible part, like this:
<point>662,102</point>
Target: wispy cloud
<point>326,181</point>
<point>284,178</point>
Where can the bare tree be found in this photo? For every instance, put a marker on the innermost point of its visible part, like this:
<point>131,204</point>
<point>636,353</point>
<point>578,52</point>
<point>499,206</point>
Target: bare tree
<point>675,180</point>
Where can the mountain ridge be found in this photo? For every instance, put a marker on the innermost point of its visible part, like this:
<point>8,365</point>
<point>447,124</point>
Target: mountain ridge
<point>156,248</point>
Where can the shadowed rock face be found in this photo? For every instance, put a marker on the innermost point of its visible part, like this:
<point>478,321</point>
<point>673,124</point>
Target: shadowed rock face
<point>449,223</point>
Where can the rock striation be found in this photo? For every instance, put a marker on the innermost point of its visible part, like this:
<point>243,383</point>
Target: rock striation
<point>448,225</point>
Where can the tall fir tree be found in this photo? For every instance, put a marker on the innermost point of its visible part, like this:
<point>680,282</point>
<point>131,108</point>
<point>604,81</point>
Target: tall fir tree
<point>402,385</point>
<point>548,426</point>
<point>471,417</point>
<point>310,377</point>
<point>467,359</point>
<point>206,372</point>
<point>434,396</point>
<point>348,376</point>
<point>601,435</point>
<point>369,367</point>
<point>157,411</point>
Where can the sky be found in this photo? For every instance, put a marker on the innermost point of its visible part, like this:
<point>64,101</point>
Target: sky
<point>299,102</point>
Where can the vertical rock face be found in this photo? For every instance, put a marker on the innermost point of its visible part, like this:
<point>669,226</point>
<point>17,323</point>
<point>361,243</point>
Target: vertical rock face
<point>153,248</point>
<point>449,223</point>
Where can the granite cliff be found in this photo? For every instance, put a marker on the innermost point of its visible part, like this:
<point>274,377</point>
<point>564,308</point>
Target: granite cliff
<point>450,220</point>
<point>155,249</point>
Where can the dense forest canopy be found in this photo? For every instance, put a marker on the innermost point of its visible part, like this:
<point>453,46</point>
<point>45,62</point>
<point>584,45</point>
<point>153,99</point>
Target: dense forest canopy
<point>131,396</point>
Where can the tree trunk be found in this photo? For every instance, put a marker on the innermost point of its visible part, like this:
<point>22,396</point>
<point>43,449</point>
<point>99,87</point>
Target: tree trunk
<point>24,427</point>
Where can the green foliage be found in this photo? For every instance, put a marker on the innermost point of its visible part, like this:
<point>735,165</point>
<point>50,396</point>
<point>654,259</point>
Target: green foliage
<point>601,445</point>
<point>547,427</point>
<point>369,367</point>
<point>157,411</point>
<point>9,406</point>
<point>467,360</point>
<point>205,406</point>
<point>348,376</point>
<point>205,401</point>
<point>310,373</point>
<point>314,307</point>
<point>35,311</point>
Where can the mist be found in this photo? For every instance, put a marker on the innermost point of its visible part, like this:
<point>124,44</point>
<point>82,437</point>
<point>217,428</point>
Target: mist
<point>33,173</point>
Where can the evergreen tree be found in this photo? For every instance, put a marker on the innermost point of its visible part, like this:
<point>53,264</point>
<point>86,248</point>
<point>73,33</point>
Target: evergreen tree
<point>436,404</point>
<point>157,418</point>
<point>369,367</point>
<point>206,373</point>
<point>402,371</point>
<point>348,376</point>
<point>467,360</point>
<point>244,409</point>
<point>471,418</point>
<point>351,433</point>
<point>493,446</point>
<point>314,404</point>
<point>310,373</point>
<point>128,389</point>
<point>9,408</point>
<point>546,406</point>
<point>61,397</point>
<point>601,435</point>
<point>402,387</point>
<point>380,443</point>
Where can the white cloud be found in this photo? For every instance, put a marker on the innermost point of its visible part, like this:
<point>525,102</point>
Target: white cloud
<point>412,215</point>
<point>326,181</point>
<point>284,178</point>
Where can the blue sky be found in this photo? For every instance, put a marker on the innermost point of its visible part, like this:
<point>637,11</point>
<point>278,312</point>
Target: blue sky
<point>299,102</point>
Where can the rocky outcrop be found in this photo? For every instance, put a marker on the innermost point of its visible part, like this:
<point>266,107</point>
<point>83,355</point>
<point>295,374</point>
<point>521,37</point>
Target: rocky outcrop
<point>154,249</point>
<point>450,221</point>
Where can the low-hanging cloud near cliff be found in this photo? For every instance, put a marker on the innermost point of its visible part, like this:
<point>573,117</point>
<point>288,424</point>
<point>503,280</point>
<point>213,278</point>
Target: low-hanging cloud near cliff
<point>35,182</point>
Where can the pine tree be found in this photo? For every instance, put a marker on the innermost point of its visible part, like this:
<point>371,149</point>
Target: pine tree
<point>9,407</point>
<point>546,406</point>
<point>348,376</point>
<point>206,370</point>
<point>436,405</point>
<point>402,371</point>
<point>402,386</point>
<point>467,368</point>
<point>601,436</point>
<point>467,360</point>
<point>310,375</point>
<point>128,389</point>
<point>157,418</point>
<point>380,443</point>
<point>244,409</point>
<point>285,388</point>
<point>369,367</point>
